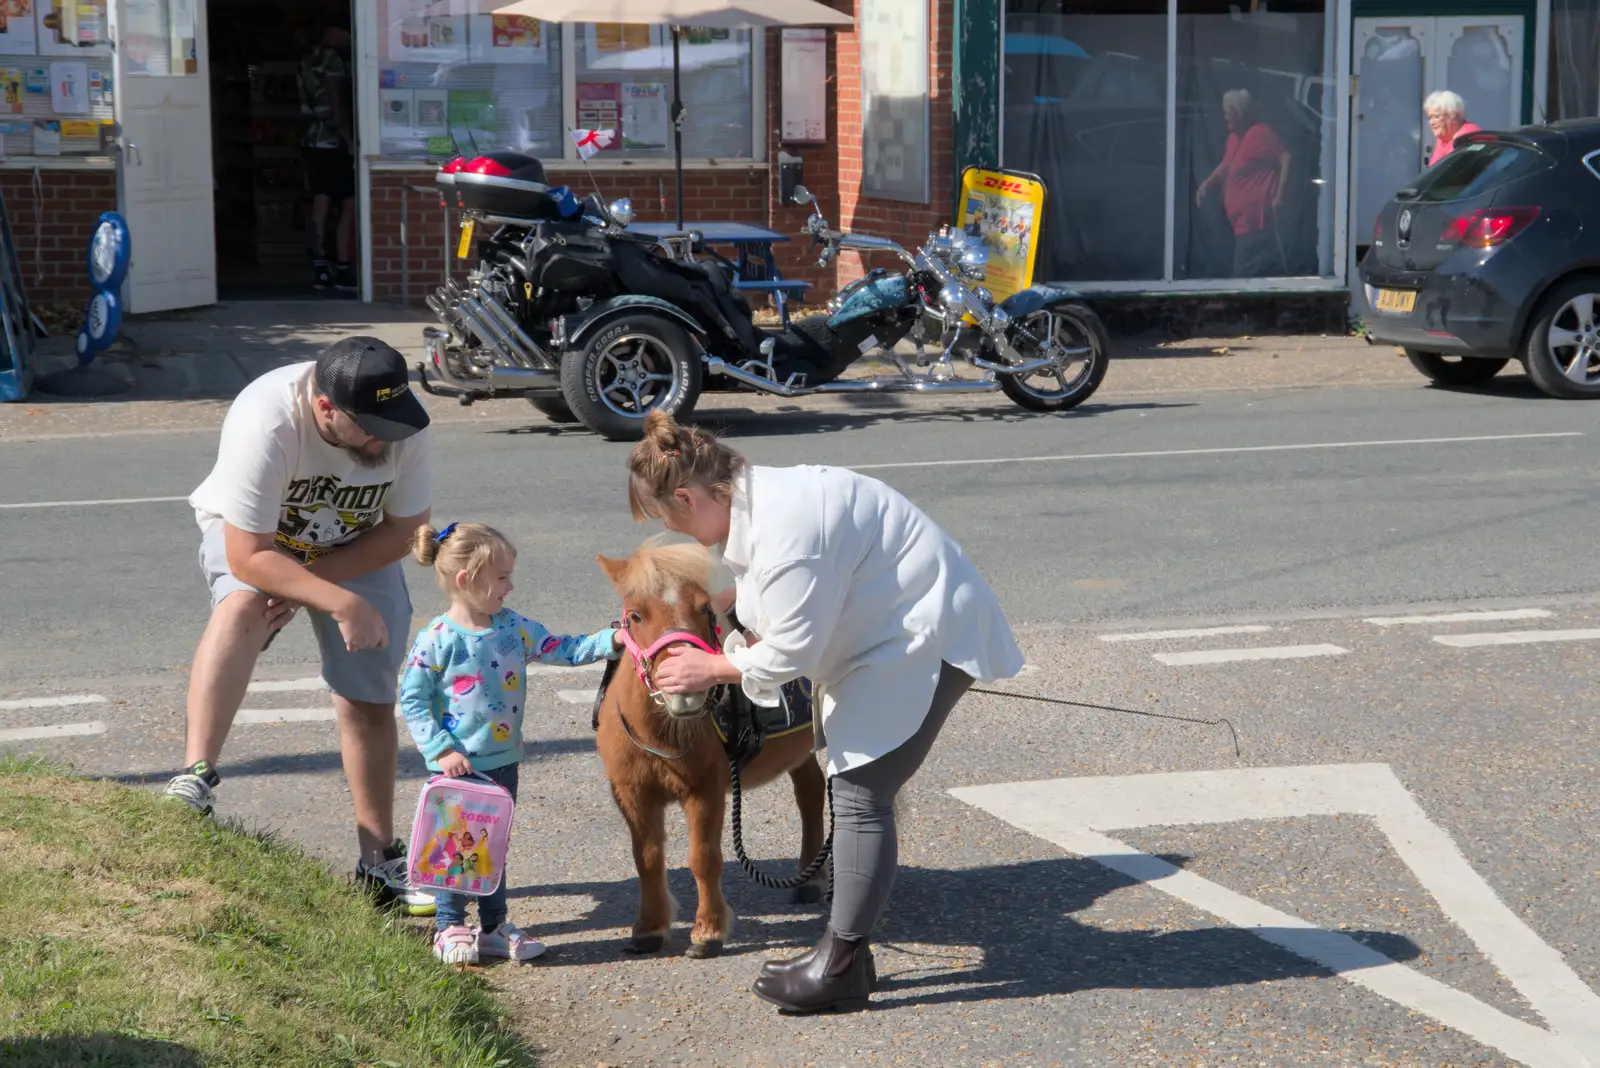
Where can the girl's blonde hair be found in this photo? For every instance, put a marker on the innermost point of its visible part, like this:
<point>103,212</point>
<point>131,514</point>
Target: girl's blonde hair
<point>460,546</point>
<point>672,457</point>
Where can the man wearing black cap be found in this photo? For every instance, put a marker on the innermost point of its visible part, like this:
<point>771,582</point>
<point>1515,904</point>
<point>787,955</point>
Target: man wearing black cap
<point>324,473</point>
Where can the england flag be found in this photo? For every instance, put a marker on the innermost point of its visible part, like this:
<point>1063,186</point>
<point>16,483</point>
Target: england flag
<point>591,142</point>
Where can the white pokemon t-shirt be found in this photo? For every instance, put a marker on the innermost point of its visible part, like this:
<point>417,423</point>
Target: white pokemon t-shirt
<point>275,474</point>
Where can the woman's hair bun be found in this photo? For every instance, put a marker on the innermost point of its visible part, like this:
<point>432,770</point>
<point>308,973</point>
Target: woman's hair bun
<point>662,431</point>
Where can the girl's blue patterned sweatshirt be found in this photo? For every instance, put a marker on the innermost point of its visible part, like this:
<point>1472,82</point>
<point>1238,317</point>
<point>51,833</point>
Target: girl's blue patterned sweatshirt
<point>466,690</point>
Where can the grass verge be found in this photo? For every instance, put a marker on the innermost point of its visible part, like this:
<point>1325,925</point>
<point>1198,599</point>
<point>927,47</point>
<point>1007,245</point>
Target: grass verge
<point>137,932</point>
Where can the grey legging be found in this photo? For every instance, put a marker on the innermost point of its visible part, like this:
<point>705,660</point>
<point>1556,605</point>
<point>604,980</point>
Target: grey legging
<point>865,846</point>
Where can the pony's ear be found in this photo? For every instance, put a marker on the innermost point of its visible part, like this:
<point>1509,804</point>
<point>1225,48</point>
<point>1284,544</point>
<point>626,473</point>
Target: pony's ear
<point>612,568</point>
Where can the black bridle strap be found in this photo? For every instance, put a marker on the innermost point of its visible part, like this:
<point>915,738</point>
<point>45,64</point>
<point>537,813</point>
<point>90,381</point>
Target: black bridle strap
<point>652,750</point>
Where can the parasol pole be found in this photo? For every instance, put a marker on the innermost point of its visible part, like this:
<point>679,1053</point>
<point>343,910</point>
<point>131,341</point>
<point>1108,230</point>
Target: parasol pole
<point>677,124</point>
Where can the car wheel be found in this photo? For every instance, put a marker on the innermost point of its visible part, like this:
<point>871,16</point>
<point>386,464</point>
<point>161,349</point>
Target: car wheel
<point>1564,341</point>
<point>1455,370</point>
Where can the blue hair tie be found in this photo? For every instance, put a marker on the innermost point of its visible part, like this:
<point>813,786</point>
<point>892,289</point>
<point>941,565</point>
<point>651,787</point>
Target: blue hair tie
<point>445,533</point>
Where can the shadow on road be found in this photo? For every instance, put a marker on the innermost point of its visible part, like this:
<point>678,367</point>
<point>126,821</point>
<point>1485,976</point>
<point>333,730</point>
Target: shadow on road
<point>1003,931</point>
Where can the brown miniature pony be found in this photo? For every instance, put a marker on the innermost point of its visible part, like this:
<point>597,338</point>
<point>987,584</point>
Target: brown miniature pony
<point>658,748</point>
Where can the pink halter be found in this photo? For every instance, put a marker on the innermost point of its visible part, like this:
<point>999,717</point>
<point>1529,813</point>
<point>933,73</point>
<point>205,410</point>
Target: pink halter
<point>643,658</point>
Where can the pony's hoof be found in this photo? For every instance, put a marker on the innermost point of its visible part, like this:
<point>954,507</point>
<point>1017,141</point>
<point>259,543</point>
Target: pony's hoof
<point>640,944</point>
<point>809,894</point>
<point>705,950</point>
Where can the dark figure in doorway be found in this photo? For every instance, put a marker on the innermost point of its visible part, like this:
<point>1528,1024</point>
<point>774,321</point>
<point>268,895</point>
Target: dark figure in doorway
<point>329,146</point>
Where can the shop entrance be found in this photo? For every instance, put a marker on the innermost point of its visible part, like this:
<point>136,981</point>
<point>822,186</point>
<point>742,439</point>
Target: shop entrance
<point>279,171</point>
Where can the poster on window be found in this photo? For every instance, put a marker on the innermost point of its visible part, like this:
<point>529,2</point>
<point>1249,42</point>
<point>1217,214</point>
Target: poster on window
<point>1003,209</point>
<point>426,31</point>
<point>607,38</point>
<point>645,122</point>
<point>511,39</point>
<point>805,86</point>
<point>600,108</point>
<point>894,94</point>
<point>19,34</point>
<point>72,27</point>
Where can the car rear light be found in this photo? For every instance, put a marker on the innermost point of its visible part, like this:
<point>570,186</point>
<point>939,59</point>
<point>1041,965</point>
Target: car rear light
<point>1377,228</point>
<point>1488,227</point>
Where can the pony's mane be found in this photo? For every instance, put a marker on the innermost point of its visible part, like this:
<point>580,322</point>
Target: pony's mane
<point>658,568</point>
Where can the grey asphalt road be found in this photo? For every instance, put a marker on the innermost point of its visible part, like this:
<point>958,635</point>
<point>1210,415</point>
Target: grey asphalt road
<point>1017,935</point>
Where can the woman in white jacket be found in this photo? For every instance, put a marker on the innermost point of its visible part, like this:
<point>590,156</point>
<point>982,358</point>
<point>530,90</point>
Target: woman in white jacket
<point>841,580</point>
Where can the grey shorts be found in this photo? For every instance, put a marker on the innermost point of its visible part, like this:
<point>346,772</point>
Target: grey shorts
<point>370,676</point>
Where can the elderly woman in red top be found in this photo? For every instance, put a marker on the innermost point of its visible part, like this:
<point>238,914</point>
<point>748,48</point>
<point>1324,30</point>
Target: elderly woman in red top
<point>1447,119</point>
<point>1253,173</point>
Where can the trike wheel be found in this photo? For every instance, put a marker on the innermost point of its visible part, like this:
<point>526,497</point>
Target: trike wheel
<point>633,365</point>
<point>1077,333</point>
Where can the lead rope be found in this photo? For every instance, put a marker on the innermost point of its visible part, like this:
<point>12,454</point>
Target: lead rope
<point>748,865</point>
<point>1219,722</point>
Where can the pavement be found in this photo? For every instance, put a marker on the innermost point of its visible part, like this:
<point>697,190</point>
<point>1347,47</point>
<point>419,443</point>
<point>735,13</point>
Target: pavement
<point>1367,577</point>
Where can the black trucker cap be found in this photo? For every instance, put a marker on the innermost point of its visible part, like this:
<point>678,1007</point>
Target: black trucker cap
<point>367,380</point>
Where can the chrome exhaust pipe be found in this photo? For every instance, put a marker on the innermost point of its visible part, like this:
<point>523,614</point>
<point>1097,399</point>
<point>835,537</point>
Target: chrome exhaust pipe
<point>516,333</point>
<point>498,378</point>
<point>492,339</point>
<point>717,365</point>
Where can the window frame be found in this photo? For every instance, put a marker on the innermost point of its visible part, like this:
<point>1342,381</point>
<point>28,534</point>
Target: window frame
<point>1343,14</point>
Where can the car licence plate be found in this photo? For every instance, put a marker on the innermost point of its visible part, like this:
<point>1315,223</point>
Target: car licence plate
<point>466,239</point>
<point>1396,300</point>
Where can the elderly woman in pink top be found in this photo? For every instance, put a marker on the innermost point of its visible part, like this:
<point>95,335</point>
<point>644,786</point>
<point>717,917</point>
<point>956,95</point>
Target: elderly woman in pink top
<point>1447,118</point>
<point>1253,175</point>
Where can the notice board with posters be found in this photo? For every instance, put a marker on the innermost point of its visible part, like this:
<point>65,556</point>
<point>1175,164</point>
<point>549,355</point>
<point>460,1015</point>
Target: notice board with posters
<point>1004,209</point>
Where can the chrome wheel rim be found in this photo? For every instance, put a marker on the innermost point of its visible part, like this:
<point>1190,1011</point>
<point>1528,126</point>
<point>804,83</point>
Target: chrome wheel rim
<point>635,373</point>
<point>1574,341</point>
<point>1064,339</point>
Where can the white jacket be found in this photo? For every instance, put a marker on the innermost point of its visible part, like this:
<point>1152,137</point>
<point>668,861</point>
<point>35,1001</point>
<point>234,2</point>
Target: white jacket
<point>849,584</point>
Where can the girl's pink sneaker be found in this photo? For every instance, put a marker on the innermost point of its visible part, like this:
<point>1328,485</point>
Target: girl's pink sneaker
<point>509,943</point>
<point>455,945</point>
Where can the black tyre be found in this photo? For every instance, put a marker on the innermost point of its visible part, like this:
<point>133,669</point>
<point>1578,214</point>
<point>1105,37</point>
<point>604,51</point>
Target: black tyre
<point>554,408</point>
<point>1079,331</point>
<point>1455,370</point>
<point>629,367</point>
<point>1563,345</point>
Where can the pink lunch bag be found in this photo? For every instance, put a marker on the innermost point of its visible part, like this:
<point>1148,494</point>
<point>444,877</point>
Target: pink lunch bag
<point>460,835</point>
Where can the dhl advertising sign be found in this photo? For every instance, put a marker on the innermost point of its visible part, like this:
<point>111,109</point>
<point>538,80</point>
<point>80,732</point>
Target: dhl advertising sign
<point>1004,209</point>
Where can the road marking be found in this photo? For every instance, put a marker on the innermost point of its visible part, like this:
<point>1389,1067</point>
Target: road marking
<point>287,685</point>
<point>53,702</point>
<point>1515,637</point>
<point>54,730</point>
<point>1197,632</point>
<point>284,715</point>
<point>1072,813</point>
<point>1462,617</point>
<point>90,504</point>
<point>1228,656</point>
<point>1232,451</point>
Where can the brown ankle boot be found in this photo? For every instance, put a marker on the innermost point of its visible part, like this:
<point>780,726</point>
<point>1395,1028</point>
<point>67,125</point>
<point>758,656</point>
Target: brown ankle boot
<point>779,967</point>
<point>836,976</point>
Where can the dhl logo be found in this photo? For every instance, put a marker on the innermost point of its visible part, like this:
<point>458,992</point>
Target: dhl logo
<point>1006,185</point>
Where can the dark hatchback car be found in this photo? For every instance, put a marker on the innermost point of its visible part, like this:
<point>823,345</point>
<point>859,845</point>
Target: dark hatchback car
<point>1493,254</point>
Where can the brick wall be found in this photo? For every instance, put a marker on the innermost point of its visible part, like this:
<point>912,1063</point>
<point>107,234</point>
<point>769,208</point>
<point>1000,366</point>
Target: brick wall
<point>51,227</point>
<point>738,194</point>
<point>904,222</point>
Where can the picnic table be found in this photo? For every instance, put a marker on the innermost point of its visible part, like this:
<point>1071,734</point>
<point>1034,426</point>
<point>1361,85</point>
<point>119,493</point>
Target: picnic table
<point>755,268</point>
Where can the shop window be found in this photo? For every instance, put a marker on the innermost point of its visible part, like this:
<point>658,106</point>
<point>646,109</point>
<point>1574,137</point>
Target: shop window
<point>1086,109</point>
<point>1254,196</point>
<point>469,83</point>
<point>1090,94</point>
<point>466,83</point>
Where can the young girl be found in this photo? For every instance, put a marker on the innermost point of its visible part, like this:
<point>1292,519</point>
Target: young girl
<point>464,695</point>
